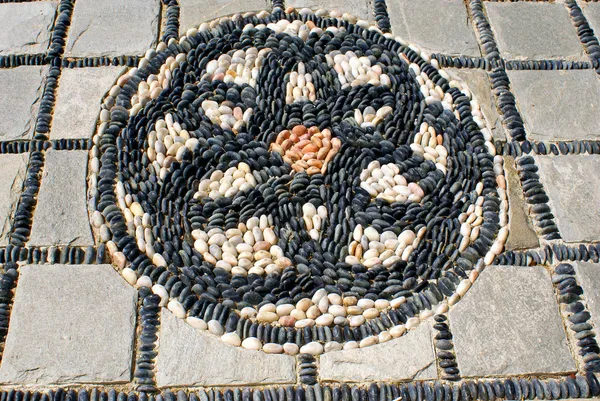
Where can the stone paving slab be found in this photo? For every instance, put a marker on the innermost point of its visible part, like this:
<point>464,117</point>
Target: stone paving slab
<point>80,94</point>
<point>421,23</point>
<point>521,234</point>
<point>410,357</point>
<point>70,324</point>
<point>588,276</point>
<point>189,357</point>
<point>572,184</point>
<point>13,170</point>
<point>558,105</point>
<point>591,11</point>
<point>61,216</point>
<point>112,28</point>
<point>26,27</point>
<point>194,12</point>
<point>534,30</point>
<point>21,92</point>
<point>509,324</point>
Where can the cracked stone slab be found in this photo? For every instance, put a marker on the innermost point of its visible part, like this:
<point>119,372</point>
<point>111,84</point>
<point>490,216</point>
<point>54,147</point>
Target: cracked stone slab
<point>194,12</point>
<point>521,234</point>
<point>437,26</point>
<point>70,324</point>
<point>113,28</point>
<point>479,83</point>
<point>534,30</point>
<point>61,216</point>
<point>410,357</point>
<point>19,110</point>
<point>26,27</point>
<point>558,105</point>
<point>588,276</point>
<point>509,324</point>
<point>189,357</point>
<point>78,101</point>
<point>571,182</point>
<point>13,169</point>
<point>358,8</point>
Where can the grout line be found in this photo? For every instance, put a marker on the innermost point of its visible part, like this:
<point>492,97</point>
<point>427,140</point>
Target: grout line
<point>8,282</point>
<point>585,33</point>
<point>444,349</point>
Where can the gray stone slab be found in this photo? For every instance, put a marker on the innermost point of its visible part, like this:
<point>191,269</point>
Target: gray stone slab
<point>358,8</point>
<point>19,100</point>
<point>26,27</point>
<point>195,12</point>
<point>478,82</point>
<point>439,26</point>
<point>573,185</point>
<point>534,30</point>
<point>189,357</point>
<point>588,276</point>
<point>410,357</point>
<point>61,216</point>
<point>13,169</point>
<point>509,324</point>
<point>80,94</point>
<point>70,324</point>
<point>113,28</point>
<point>592,14</point>
<point>558,105</point>
<point>521,234</point>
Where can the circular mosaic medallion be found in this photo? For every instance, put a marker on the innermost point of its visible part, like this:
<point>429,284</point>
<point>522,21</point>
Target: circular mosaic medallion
<point>296,182</point>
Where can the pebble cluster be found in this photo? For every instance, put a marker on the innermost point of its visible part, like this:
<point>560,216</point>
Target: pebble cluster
<point>306,149</point>
<point>337,220</point>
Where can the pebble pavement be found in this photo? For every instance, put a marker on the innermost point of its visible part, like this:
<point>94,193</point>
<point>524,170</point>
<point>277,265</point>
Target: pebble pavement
<point>297,203</point>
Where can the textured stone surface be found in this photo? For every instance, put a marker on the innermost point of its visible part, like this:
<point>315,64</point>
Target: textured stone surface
<point>358,8</point>
<point>480,86</point>
<point>521,234</point>
<point>189,357</point>
<point>61,216</point>
<point>592,14</point>
<point>410,357</point>
<point>18,111</point>
<point>558,105</point>
<point>588,276</point>
<point>80,94</point>
<point>509,324</point>
<point>13,170</point>
<point>573,185</point>
<point>195,12</point>
<point>534,30</point>
<point>422,23</point>
<point>70,324</point>
<point>112,28</point>
<point>26,27</point>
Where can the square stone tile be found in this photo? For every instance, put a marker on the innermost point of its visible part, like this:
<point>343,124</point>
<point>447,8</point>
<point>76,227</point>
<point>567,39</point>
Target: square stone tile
<point>13,169</point>
<point>572,183</point>
<point>437,26</point>
<point>509,324</point>
<point>591,11</point>
<point>80,94</point>
<point>520,234</point>
<point>189,357</point>
<point>26,27</point>
<point>112,28</point>
<point>61,216</point>
<point>534,30</point>
<point>588,276</point>
<point>358,8</point>
<point>410,357</point>
<point>70,324</point>
<point>194,12</point>
<point>558,105</point>
<point>20,93</point>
